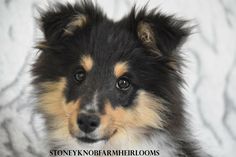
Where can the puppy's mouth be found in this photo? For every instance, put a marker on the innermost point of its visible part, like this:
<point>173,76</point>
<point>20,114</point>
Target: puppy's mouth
<point>90,140</point>
<point>86,139</point>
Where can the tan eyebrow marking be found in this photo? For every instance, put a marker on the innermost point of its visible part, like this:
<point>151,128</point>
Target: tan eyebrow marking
<point>87,62</point>
<point>120,68</point>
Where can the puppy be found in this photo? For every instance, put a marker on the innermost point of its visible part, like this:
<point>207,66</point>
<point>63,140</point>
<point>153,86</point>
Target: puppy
<point>109,85</point>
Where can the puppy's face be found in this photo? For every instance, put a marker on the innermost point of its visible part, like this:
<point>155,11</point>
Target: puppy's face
<point>98,79</point>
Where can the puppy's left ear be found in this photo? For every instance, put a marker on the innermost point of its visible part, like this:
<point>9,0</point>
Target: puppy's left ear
<point>161,34</point>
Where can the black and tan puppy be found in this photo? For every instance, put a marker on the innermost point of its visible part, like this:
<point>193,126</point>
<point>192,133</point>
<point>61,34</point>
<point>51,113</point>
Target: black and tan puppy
<point>112,85</point>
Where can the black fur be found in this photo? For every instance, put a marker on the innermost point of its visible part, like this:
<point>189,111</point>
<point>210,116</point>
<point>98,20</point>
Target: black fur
<point>109,42</point>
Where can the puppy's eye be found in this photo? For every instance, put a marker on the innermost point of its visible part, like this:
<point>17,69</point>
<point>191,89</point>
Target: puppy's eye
<point>80,75</point>
<point>123,83</point>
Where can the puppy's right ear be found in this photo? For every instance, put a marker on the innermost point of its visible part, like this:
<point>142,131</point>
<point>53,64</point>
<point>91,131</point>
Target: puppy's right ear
<point>63,21</point>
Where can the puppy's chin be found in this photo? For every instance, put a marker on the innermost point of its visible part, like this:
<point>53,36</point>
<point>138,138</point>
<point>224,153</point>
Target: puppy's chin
<point>75,144</point>
<point>128,139</point>
<point>91,146</point>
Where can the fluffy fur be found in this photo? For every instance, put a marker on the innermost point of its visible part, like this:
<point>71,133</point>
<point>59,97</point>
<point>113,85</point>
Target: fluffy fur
<point>86,58</point>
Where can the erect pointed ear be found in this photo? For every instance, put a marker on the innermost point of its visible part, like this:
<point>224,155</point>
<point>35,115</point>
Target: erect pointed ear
<point>62,21</point>
<point>160,33</point>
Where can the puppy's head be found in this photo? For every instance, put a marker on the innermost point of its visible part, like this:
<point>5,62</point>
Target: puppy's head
<point>100,80</point>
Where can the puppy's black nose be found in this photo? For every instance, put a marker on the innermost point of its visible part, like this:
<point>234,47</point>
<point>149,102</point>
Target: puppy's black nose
<point>88,122</point>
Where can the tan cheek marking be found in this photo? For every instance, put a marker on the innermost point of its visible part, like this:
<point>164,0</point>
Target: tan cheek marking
<point>118,117</point>
<point>108,123</point>
<point>146,112</point>
<point>106,126</point>
<point>52,102</point>
<point>120,68</point>
<point>71,107</point>
<point>52,99</point>
<point>73,127</point>
<point>87,62</point>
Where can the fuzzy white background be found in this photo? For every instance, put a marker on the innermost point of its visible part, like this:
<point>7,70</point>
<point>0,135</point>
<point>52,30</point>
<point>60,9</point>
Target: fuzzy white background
<point>210,75</point>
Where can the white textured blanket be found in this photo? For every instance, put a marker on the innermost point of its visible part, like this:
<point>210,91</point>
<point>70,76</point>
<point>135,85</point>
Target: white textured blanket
<point>211,72</point>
